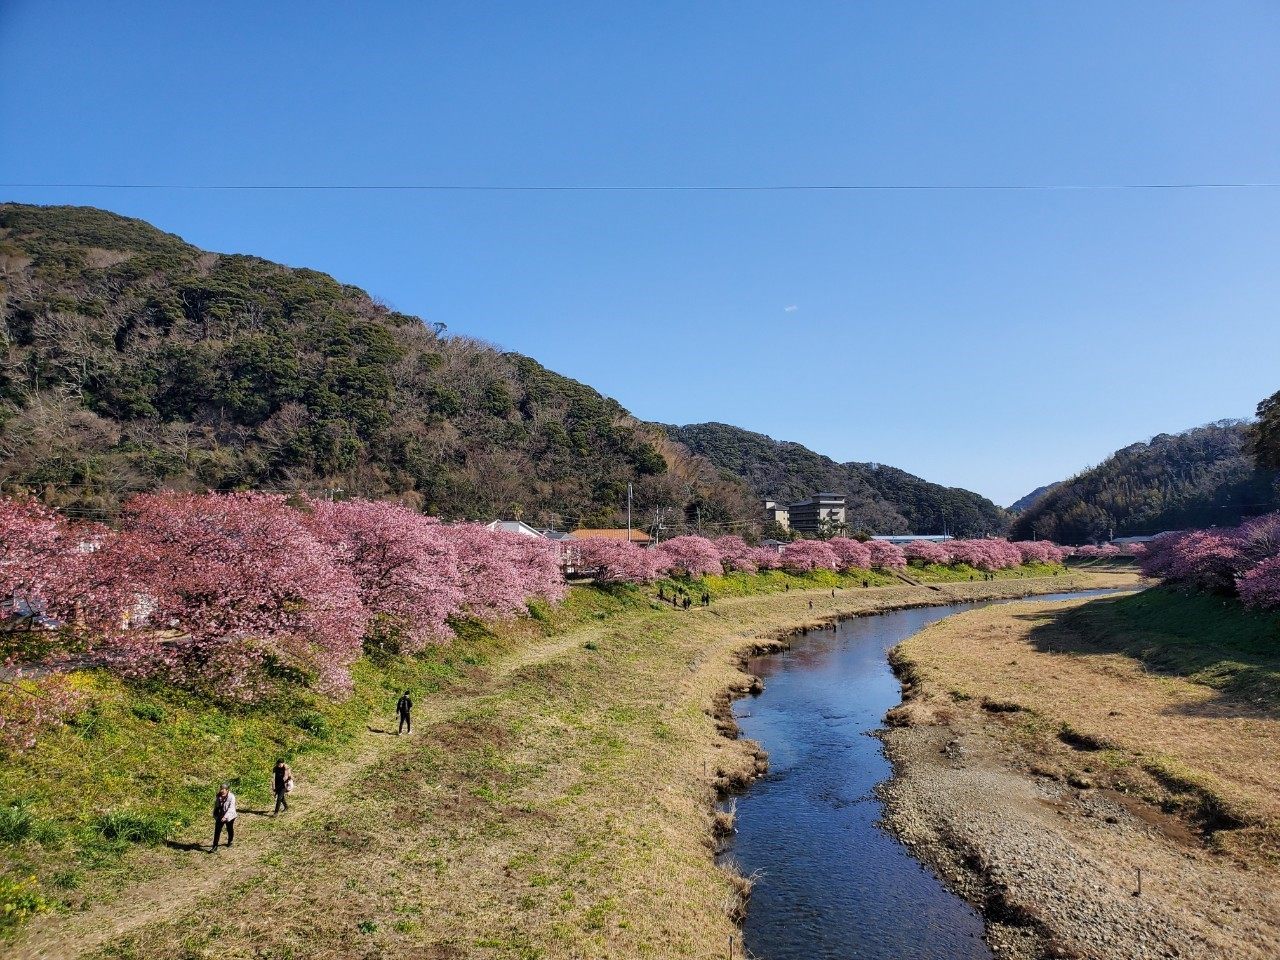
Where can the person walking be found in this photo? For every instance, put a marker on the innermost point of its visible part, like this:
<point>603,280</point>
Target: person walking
<point>687,602</point>
<point>224,815</point>
<point>281,785</point>
<point>404,710</point>
<point>706,599</point>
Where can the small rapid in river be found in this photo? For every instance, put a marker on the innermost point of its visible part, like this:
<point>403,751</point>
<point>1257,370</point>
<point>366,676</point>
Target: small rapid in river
<point>830,882</point>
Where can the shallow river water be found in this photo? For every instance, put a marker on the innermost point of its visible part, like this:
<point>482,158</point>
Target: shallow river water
<point>831,883</point>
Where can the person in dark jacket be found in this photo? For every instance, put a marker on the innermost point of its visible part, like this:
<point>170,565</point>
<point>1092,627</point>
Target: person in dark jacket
<point>687,602</point>
<point>404,709</point>
<point>224,815</point>
<point>281,784</point>
<point>706,599</point>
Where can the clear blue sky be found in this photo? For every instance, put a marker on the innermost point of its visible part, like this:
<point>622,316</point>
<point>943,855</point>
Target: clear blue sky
<point>995,340</point>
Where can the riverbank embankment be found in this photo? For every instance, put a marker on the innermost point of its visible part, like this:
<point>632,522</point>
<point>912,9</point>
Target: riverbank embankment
<point>557,798</point>
<point>1098,776</point>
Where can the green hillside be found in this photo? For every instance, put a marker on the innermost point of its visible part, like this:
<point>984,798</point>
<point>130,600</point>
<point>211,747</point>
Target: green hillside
<point>1199,478</point>
<point>881,499</point>
<point>131,359</point>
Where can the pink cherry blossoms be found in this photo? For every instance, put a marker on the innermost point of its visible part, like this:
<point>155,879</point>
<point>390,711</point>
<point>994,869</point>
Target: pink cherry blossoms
<point>221,592</point>
<point>617,561</point>
<point>803,556</point>
<point>691,556</point>
<point>1243,560</point>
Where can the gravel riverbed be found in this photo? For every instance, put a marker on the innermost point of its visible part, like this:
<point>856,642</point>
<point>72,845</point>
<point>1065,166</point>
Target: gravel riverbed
<point>1053,862</point>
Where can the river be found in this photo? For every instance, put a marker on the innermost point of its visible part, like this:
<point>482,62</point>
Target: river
<point>831,883</point>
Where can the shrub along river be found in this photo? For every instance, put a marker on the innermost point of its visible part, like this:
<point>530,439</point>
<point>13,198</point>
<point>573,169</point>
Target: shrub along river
<point>831,883</point>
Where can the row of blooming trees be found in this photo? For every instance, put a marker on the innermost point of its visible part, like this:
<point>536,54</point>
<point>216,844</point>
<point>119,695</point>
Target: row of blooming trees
<point>217,591</point>
<point>221,591</point>
<point>1239,561</point>
<point>616,561</point>
<point>988,555</point>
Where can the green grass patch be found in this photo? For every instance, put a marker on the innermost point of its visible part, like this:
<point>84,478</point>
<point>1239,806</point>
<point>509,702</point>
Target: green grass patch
<point>1208,640</point>
<point>775,581</point>
<point>938,573</point>
<point>141,761</point>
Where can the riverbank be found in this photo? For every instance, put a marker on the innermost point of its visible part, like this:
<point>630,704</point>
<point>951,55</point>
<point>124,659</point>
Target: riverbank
<point>556,799</point>
<point>1045,754</point>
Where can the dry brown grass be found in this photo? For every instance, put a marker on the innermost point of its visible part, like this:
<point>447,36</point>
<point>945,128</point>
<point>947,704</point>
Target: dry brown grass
<point>1092,716</point>
<point>563,805</point>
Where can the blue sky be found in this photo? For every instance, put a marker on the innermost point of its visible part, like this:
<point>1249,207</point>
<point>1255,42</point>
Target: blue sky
<point>991,339</point>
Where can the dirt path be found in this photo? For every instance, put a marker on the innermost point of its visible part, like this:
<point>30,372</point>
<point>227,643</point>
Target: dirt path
<point>59,936</point>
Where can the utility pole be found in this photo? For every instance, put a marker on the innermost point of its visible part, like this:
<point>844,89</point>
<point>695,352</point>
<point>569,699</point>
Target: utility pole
<point>628,513</point>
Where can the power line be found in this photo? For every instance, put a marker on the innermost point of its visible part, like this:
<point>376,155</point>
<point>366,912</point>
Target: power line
<point>658,188</point>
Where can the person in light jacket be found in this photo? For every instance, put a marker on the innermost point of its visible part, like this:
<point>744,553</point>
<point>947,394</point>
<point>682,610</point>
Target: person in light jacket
<point>224,815</point>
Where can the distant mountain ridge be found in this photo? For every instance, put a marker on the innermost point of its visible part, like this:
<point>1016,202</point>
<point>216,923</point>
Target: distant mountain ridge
<point>1201,477</point>
<point>1025,503</point>
<point>881,499</point>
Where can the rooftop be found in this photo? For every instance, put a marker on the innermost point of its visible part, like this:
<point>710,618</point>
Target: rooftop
<point>611,533</point>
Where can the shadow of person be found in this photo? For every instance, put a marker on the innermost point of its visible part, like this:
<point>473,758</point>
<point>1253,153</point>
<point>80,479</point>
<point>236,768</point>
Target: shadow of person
<point>189,845</point>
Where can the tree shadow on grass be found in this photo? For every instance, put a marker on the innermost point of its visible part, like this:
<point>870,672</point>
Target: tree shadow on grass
<point>1207,640</point>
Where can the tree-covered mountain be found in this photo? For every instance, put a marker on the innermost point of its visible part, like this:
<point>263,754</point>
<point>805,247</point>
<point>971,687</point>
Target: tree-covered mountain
<point>130,359</point>
<point>1199,478</point>
<point>880,499</point>
<point>1028,501</point>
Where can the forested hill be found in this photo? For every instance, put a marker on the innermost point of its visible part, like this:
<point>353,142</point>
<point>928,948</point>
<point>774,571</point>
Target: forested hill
<point>130,359</point>
<point>881,499</point>
<point>1028,501</point>
<point>1199,478</point>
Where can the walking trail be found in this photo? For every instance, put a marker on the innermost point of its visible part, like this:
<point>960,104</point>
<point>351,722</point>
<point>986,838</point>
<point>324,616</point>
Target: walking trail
<point>177,885</point>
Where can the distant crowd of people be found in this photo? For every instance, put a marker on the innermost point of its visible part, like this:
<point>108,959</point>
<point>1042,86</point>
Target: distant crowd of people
<point>681,599</point>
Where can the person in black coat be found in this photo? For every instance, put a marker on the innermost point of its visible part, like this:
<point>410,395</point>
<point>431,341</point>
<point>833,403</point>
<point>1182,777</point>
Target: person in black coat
<point>404,709</point>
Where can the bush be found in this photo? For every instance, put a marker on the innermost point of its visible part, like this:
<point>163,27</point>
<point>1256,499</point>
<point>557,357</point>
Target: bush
<point>19,899</point>
<point>145,710</point>
<point>316,724</point>
<point>15,823</point>
<point>129,826</point>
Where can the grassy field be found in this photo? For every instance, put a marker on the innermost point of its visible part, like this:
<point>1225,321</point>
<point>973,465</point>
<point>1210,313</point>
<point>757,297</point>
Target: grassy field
<point>556,798</point>
<point>1170,697</point>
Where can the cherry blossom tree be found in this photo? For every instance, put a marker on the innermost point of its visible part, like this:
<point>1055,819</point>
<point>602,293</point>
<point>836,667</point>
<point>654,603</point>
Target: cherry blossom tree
<point>766,558</point>
<point>735,554</point>
<point>691,556</point>
<point>230,582</point>
<point>1260,586</point>
<point>852,554</point>
<point>616,561</point>
<point>29,706</point>
<point>406,572</point>
<point>925,552</point>
<point>886,555</point>
<point>802,556</point>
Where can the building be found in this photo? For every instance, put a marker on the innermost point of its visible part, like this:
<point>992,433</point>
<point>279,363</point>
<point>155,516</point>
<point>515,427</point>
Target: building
<point>774,545</point>
<point>820,513</point>
<point>514,526</point>
<point>638,537</point>
<point>901,538</point>
<point>774,512</point>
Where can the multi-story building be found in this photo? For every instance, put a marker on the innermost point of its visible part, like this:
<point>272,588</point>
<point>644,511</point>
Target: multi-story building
<point>774,512</point>
<point>820,513</point>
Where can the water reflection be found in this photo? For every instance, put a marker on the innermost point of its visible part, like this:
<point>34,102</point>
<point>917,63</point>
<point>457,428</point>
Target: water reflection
<point>831,883</point>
